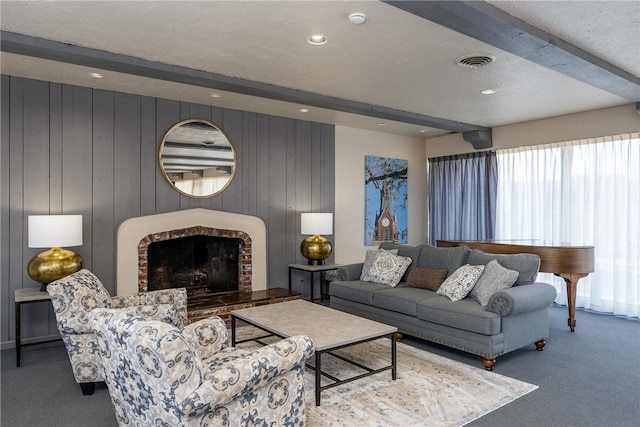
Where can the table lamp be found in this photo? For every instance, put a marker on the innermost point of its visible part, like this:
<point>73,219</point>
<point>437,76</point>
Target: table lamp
<point>316,248</point>
<point>54,231</point>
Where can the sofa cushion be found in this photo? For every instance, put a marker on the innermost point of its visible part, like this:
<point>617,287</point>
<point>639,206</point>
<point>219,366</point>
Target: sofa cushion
<point>459,284</point>
<point>467,315</point>
<point>412,252</point>
<point>403,300</point>
<point>527,265</point>
<point>426,278</point>
<point>370,257</point>
<point>449,258</point>
<point>356,290</point>
<point>494,278</point>
<point>386,268</point>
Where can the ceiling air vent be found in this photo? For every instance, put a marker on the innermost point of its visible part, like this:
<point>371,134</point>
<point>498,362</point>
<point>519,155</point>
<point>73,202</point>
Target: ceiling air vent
<point>474,61</point>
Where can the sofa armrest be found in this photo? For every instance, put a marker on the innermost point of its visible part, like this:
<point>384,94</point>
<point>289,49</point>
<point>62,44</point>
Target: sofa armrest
<point>175,297</point>
<point>349,272</point>
<point>231,379</point>
<point>522,299</point>
<point>207,336</point>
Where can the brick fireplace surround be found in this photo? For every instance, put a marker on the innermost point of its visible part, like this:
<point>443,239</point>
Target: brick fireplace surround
<point>136,234</point>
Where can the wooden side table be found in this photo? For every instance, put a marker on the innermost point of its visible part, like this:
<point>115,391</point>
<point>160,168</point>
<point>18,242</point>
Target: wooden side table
<point>27,296</point>
<point>312,269</point>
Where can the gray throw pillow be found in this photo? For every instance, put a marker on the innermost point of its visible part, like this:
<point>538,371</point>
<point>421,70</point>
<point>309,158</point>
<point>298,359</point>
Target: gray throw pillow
<point>459,284</point>
<point>386,269</point>
<point>494,278</point>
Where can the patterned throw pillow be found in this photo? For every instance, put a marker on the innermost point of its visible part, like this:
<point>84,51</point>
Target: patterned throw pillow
<point>459,284</point>
<point>494,278</point>
<point>386,268</point>
<point>370,257</point>
<point>426,278</point>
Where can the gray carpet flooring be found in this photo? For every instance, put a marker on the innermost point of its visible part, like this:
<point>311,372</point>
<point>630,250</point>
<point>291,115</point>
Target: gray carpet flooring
<point>590,377</point>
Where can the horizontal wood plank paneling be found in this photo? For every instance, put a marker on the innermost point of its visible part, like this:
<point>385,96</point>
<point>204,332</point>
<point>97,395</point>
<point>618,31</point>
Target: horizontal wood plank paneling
<point>75,150</point>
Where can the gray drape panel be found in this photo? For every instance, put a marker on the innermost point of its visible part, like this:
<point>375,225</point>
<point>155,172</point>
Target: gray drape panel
<point>462,197</point>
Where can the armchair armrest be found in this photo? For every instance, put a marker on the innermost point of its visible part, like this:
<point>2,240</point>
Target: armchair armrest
<point>207,336</point>
<point>522,299</point>
<point>237,377</point>
<point>349,272</point>
<point>175,297</point>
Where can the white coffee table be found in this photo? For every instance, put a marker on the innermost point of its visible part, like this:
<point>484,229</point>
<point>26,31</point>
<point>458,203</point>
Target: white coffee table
<point>329,329</point>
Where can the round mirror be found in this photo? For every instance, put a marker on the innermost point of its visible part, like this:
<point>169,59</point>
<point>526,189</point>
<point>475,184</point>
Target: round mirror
<point>197,158</point>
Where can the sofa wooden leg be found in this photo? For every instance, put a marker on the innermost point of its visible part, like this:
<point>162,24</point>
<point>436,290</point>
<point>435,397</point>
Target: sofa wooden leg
<point>540,345</point>
<point>399,336</point>
<point>489,363</point>
<point>88,388</point>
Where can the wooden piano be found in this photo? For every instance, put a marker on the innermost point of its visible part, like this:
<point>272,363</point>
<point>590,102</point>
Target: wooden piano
<point>567,261</point>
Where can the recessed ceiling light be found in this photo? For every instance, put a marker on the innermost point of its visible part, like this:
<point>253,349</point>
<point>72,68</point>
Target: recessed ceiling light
<point>215,95</point>
<point>422,131</point>
<point>317,39</point>
<point>357,18</point>
<point>96,75</point>
<point>488,91</point>
<point>304,110</point>
<point>382,124</point>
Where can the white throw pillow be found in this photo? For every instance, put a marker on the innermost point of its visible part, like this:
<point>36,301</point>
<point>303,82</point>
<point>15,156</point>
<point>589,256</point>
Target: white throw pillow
<point>459,284</point>
<point>370,256</point>
<point>386,268</point>
<point>494,278</point>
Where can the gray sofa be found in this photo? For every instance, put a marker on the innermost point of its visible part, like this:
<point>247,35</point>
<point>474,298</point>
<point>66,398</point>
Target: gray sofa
<point>513,318</point>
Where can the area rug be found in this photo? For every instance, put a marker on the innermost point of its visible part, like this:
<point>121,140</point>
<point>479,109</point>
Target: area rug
<point>430,390</point>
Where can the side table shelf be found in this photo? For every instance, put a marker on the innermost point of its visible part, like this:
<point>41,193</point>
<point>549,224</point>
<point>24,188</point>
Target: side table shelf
<point>27,296</point>
<point>312,269</point>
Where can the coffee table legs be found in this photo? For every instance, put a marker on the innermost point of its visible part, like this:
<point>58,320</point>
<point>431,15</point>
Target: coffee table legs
<point>318,368</point>
<point>394,358</point>
<point>318,377</point>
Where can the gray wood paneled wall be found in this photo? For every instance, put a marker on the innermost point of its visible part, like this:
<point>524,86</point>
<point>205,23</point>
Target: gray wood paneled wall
<point>76,150</point>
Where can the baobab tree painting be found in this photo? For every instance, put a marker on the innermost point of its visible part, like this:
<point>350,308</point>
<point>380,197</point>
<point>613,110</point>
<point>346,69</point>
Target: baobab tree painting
<point>385,200</point>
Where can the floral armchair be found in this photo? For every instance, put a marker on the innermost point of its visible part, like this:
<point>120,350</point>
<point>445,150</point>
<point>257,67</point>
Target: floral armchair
<point>74,296</point>
<point>158,374</point>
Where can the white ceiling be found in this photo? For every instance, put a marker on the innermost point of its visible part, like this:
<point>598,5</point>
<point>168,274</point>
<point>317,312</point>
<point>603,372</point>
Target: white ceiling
<point>396,60</point>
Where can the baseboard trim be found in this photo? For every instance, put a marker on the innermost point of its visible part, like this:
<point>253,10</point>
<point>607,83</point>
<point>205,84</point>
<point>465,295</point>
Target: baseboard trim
<point>7,345</point>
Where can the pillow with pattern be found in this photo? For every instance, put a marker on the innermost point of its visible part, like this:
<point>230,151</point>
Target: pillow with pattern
<point>494,278</point>
<point>459,284</point>
<point>370,256</point>
<point>426,278</point>
<point>386,268</point>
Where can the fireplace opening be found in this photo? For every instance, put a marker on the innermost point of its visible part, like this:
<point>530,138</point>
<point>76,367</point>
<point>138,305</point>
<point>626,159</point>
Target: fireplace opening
<point>204,265</point>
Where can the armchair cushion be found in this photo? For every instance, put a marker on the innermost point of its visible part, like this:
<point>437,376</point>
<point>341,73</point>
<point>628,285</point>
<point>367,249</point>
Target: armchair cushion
<point>174,297</point>
<point>207,336</point>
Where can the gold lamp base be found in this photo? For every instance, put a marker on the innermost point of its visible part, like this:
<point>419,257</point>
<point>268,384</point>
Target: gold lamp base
<point>53,264</point>
<point>316,249</point>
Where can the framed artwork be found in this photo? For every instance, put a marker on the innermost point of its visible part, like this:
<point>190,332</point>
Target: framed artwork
<point>385,200</point>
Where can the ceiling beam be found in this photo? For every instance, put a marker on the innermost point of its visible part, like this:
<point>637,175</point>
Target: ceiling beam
<point>48,49</point>
<point>489,24</point>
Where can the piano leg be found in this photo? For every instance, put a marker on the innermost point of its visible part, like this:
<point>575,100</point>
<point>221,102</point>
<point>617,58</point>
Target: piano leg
<point>571,279</point>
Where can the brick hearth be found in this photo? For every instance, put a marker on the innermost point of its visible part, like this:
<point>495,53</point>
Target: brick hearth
<point>221,305</point>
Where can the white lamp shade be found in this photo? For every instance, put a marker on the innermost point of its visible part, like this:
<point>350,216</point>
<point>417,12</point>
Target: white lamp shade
<point>316,223</point>
<point>49,231</point>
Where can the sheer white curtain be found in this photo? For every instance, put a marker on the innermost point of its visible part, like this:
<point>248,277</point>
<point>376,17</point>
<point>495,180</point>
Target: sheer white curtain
<point>582,192</point>
<point>202,186</point>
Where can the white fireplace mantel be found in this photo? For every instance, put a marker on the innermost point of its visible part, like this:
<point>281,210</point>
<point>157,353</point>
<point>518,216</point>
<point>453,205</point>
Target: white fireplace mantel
<point>133,230</point>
